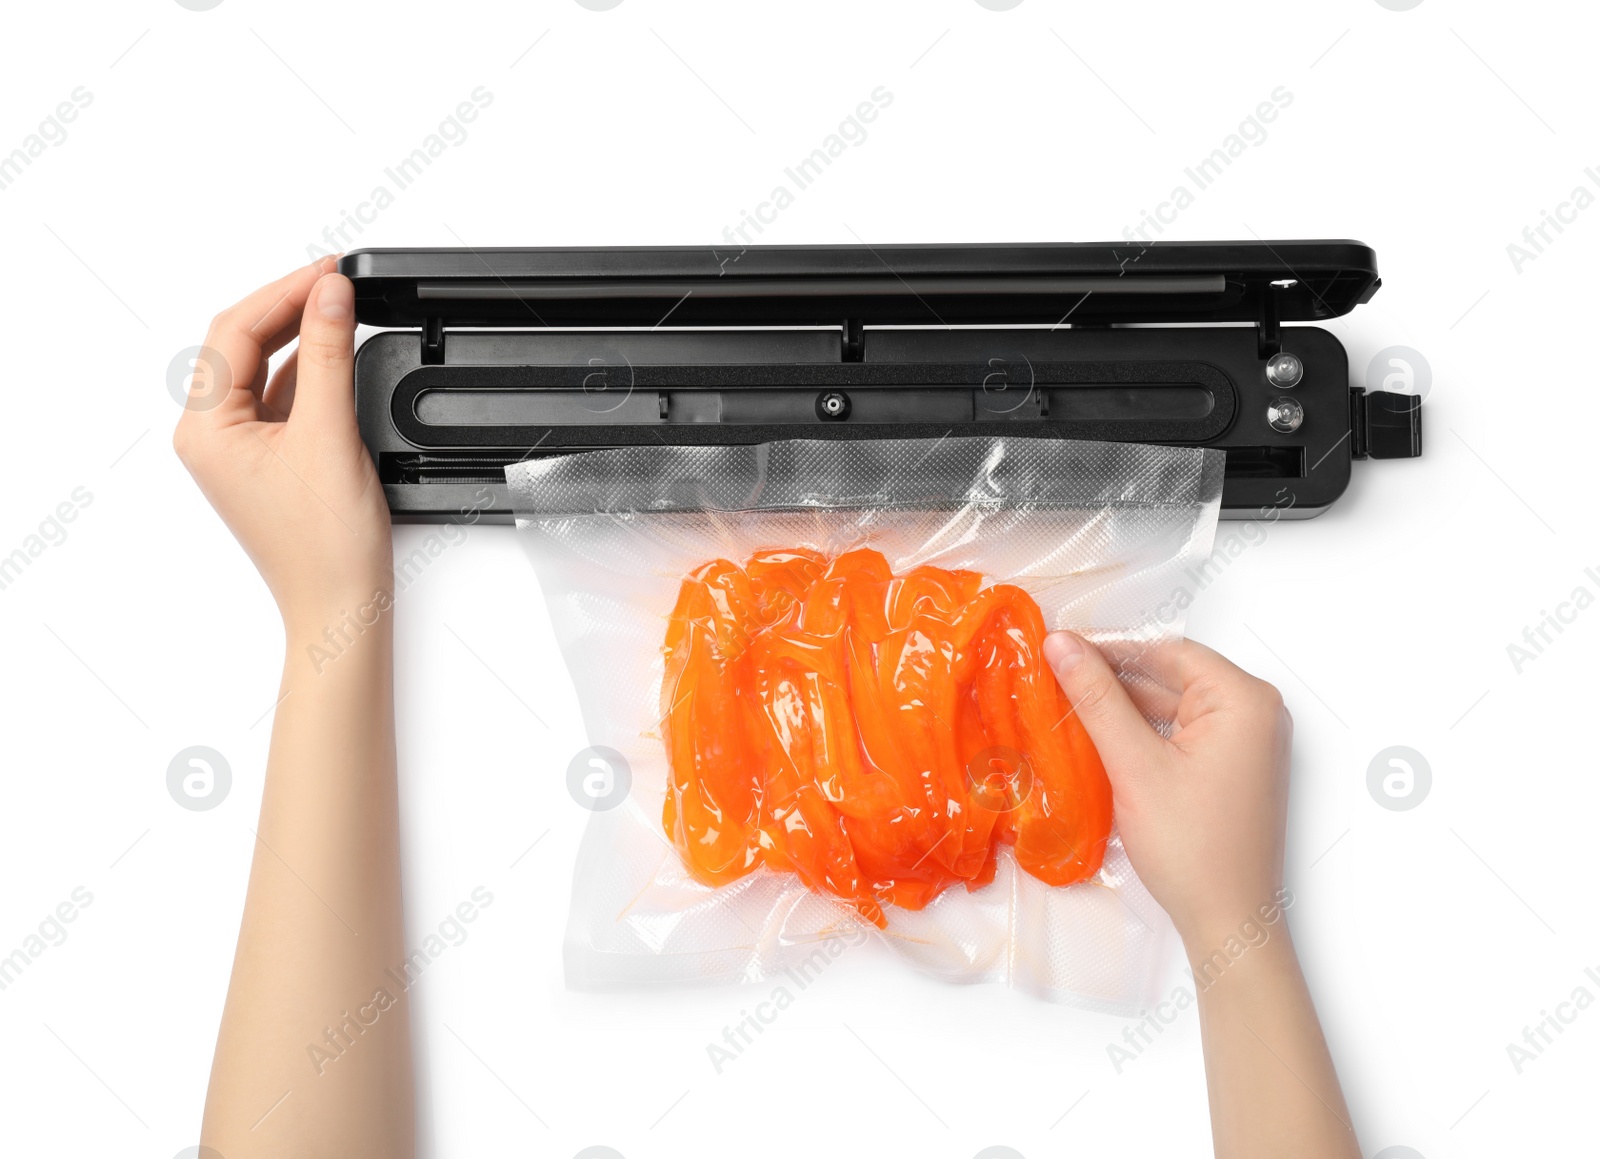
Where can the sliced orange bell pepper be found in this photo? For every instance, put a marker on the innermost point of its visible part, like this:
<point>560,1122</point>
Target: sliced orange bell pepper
<point>878,736</point>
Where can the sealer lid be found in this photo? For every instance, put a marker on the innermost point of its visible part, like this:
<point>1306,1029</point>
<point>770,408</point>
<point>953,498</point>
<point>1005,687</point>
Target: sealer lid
<point>928,285</point>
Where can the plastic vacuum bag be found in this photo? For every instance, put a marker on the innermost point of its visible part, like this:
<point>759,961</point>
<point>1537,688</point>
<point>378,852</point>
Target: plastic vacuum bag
<point>1101,535</point>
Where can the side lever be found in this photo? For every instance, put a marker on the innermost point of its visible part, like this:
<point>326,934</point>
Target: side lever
<point>1385,425</point>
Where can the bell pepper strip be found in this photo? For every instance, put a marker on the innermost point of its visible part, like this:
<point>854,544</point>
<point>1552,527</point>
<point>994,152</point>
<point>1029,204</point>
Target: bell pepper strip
<point>1064,823</point>
<point>809,764</point>
<point>712,805</point>
<point>799,822</point>
<point>982,764</point>
<point>947,612</point>
<point>997,763</point>
<point>917,683</point>
<point>893,834</point>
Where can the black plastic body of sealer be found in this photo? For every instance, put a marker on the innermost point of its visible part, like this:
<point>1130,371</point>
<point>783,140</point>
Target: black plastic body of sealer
<point>501,355</point>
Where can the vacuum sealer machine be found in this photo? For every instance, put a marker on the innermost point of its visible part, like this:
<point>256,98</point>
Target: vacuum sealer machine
<point>497,355</point>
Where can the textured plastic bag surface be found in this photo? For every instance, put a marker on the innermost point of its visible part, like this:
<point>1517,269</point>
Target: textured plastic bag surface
<point>1101,535</point>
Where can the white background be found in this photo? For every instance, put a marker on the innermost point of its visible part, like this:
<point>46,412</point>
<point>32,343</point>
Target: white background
<point>218,144</point>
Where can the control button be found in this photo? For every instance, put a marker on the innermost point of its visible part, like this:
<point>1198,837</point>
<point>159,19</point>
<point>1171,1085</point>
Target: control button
<point>1285,414</point>
<point>1285,371</point>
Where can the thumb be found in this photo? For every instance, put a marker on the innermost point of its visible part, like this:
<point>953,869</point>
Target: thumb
<point>325,377</point>
<point>1123,737</point>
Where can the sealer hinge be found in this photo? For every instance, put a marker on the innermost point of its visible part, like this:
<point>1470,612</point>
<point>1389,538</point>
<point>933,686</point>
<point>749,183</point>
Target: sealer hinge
<point>1269,339</point>
<point>433,342</point>
<point>852,344</point>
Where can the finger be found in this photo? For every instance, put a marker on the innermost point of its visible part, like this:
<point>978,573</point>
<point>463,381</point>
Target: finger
<point>1152,697</point>
<point>278,397</point>
<point>325,374</point>
<point>1196,661</point>
<point>231,367</point>
<point>1125,740</point>
<point>1148,673</point>
<point>1210,681</point>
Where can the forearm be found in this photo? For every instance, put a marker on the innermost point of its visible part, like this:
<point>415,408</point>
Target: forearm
<point>1271,1081</point>
<point>314,1055</point>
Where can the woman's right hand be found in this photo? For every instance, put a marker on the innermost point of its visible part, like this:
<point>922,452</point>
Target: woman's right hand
<point>1202,814</point>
